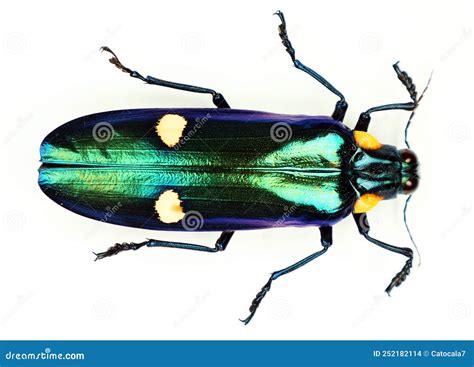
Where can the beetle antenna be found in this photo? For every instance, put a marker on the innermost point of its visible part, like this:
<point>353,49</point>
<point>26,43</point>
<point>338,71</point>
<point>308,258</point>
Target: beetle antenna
<point>413,112</point>
<point>408,229</point>
<point>408,146</point>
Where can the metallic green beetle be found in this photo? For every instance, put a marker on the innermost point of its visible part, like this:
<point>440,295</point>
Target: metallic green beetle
<point>223,169</point>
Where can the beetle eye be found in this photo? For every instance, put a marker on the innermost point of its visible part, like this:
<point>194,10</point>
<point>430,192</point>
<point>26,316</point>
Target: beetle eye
<point>408,157</point>
<point>410,185</point>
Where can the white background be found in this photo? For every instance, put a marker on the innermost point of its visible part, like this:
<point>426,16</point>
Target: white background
<point>52,72</point>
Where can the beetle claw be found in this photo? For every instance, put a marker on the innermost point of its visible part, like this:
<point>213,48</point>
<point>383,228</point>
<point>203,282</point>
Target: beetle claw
<point>115,60</point>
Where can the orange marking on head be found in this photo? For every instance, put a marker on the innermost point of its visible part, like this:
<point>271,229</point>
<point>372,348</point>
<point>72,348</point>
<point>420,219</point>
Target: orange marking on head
<point>366,202</point>
<point>366,141</point>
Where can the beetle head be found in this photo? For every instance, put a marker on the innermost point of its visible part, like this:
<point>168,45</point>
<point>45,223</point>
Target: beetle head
<point>381,171</point>
<point>409,163</point>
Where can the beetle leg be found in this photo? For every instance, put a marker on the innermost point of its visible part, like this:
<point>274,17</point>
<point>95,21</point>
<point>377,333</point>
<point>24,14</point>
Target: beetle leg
<point>399,278</point>
<point>341,105</point>
<point>364,118</point>
<point>217,98</point>
<point>220,245</point>
<point>326,241</point>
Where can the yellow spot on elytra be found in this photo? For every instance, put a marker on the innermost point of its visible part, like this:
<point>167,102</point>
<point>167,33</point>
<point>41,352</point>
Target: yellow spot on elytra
<point>170,128</point>
<point>366,202</point>
<point>168,207</point>
<point>366,140</point>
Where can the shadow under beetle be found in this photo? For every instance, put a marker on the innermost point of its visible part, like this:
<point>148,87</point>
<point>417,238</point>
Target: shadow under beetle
<point>222,169</point>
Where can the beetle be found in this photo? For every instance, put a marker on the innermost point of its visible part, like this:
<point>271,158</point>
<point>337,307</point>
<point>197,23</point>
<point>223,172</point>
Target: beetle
<point>223,169</point>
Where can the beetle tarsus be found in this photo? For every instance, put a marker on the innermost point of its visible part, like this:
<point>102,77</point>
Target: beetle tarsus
<point>117,248</point>
<point>118,64</point>
<point>407,81</point>
<point>284,35</point>
<point>400,277</point>
<point>256,302</point>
